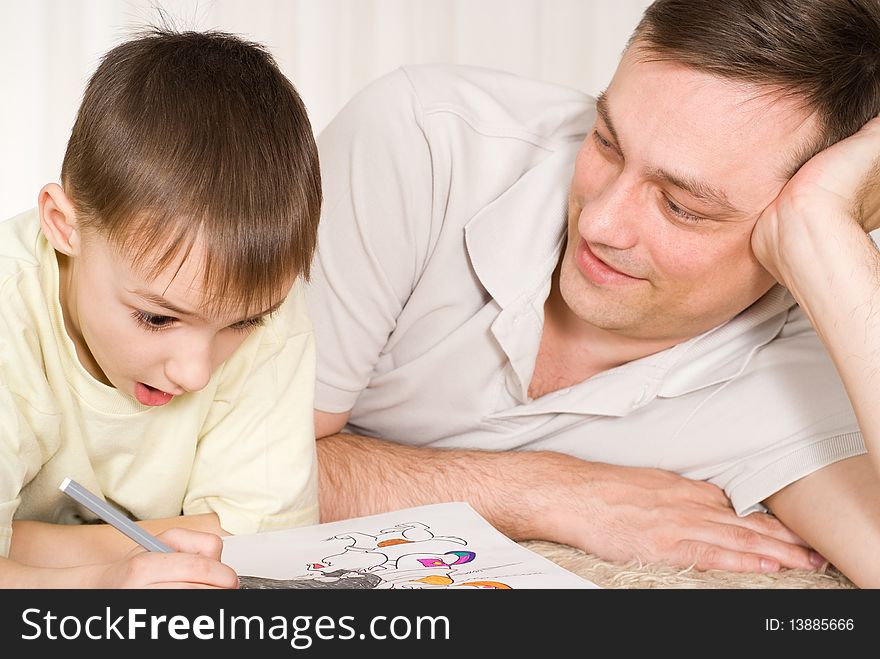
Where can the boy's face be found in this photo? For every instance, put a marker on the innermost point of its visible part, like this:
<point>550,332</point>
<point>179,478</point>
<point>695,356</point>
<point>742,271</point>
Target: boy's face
<point>665,193</point>
<point>146,337</point>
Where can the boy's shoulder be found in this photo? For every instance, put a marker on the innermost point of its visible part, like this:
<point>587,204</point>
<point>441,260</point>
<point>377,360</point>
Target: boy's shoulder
<point>19,237</point>
<point>26,316</point>
<point>291,320</point>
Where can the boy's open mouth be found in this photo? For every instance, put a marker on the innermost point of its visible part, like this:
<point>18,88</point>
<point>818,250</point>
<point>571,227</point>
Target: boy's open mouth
<point>147,395</point>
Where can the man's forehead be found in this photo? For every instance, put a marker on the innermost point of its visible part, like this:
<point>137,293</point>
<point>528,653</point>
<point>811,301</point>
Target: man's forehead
<point>705,124</point>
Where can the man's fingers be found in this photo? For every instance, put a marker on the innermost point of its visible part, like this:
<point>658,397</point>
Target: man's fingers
<point>849,169</point>
<point>769,525</point>
<point>704,556</point>
<point>750,542</point>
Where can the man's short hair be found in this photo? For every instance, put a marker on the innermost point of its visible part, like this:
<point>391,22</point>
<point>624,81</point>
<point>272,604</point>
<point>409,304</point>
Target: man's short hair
<point>185,136</point>
<point>826,52</point>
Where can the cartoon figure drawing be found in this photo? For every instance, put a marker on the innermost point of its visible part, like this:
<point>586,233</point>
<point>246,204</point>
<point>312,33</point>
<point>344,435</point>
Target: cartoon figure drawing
<point>407,555</point>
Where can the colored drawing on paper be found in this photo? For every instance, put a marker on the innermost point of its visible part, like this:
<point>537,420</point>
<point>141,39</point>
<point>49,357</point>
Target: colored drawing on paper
<point>430,547</point>
<point>408,555</point>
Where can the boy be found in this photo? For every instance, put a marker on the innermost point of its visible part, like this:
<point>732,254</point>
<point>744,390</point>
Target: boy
<point>154,345</point>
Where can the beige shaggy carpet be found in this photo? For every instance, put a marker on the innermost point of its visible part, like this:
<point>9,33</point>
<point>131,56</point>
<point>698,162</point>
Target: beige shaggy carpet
<point>633,575</point>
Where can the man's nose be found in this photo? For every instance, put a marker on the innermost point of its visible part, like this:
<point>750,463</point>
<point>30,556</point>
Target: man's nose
<point>610,217</point>
<point>190,369</point>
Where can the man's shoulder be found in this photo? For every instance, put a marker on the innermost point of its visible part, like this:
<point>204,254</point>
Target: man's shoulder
<point>500,103</point>
<point>766,340</point>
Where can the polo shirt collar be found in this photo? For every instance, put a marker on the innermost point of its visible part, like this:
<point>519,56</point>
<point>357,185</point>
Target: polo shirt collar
<point>510,253</point>
<point>514,257</point>
<point>709,359</point>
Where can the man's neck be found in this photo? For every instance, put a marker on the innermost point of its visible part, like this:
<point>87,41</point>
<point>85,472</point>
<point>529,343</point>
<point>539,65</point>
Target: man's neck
<point>572,350</point>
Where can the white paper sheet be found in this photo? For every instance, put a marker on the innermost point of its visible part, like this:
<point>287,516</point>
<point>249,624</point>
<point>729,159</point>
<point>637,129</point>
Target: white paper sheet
<point>446,545</point>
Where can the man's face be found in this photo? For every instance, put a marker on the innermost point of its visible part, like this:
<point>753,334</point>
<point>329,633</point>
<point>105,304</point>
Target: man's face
<point>665,193</point>
<point>149,338</point>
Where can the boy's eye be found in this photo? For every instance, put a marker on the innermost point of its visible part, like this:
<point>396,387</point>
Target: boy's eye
<point>248,324</point>
<point>152,322</point>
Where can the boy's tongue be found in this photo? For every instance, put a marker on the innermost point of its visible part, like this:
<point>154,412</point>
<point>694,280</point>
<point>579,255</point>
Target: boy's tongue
<point>148,396</point>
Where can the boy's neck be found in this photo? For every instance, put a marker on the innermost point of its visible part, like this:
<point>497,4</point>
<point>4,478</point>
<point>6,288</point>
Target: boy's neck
<point>67,300</point>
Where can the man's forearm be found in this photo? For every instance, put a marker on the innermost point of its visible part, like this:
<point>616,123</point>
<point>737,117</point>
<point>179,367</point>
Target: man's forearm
<point>834,273</point>
<point>615,512</point>
<point>365,476</point>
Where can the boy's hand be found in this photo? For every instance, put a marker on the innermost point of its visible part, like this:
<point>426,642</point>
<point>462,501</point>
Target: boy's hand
<point>836,190</point>
<point>195,564</point>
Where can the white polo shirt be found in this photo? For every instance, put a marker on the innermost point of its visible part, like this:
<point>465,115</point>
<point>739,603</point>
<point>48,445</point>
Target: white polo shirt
<point>444,217</point>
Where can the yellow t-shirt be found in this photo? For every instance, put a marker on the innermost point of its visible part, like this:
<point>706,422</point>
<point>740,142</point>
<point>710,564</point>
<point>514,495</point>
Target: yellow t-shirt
<point>243,447</point>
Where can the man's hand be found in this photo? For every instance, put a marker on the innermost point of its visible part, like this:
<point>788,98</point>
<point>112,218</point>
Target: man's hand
<point>617,513</point>
<point>835,189</point>
<point>650,515</point>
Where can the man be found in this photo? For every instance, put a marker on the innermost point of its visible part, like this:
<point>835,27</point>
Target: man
<point>638,385</point>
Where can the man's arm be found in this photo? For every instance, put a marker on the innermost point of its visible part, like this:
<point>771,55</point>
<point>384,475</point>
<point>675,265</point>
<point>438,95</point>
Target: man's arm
<point>813,240</point>
<point>618,513</point>
<point>837,510</point>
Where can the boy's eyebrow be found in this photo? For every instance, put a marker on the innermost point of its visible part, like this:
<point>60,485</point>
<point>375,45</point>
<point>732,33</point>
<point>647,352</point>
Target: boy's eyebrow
<point>160,301</point>
<point>697,189</point>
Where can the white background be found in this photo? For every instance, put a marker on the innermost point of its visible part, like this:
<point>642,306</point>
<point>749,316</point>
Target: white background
<point>328,48</point>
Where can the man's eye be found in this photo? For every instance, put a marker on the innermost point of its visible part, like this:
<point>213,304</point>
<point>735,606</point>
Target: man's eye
<point>680,213</point>
<point>601,141</point>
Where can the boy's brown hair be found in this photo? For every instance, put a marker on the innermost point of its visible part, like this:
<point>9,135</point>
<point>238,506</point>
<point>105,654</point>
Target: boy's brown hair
<point>186,136</point>
<point>826,52</point>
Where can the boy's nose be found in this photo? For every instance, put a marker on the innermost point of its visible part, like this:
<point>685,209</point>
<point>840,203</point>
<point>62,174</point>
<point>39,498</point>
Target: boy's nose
<point>190,372</point>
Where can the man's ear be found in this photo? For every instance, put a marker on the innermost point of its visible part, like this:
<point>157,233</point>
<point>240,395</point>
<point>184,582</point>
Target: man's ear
<point>58,219</point>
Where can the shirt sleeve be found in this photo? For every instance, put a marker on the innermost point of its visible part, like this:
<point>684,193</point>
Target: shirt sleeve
<point>798,419</point>
<point>20,459</point>
<point>255,464</point>
<point>373,237</point>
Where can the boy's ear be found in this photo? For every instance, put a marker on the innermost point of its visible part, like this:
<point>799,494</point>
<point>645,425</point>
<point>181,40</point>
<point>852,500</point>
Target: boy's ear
<point>58,219</point>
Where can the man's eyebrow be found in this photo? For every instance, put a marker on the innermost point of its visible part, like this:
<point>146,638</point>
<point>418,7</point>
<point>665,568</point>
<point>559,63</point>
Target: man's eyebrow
<point>605,116</point>
<point>160,301</point>
<point>697,189</point>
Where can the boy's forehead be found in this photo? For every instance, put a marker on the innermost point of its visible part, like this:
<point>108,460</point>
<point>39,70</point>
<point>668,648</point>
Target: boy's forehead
<point>181,286</point>
<point>193,303</point>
